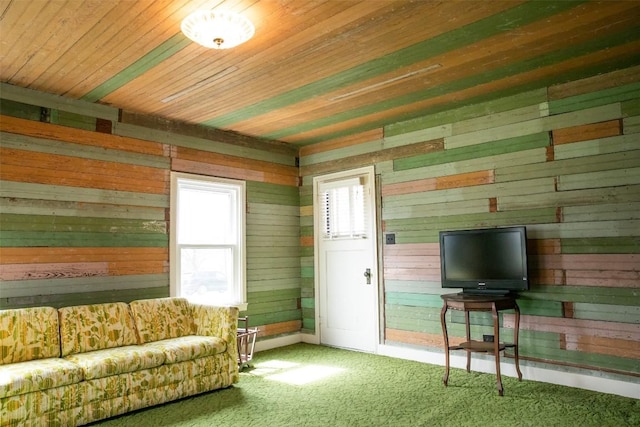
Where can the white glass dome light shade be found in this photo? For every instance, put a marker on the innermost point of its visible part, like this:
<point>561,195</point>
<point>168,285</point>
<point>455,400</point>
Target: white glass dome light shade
<point>217,30</point>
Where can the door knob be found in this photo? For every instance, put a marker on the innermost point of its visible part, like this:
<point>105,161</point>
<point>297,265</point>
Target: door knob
<point>367,274</point>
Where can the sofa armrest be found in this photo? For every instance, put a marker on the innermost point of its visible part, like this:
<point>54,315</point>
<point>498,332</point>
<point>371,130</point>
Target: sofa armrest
<point>220,322</point>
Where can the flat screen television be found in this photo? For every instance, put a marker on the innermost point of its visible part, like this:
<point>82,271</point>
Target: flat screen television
<point>485,261</point>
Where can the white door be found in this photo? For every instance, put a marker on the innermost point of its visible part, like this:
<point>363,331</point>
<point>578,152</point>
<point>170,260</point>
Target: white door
<point>346,262</point>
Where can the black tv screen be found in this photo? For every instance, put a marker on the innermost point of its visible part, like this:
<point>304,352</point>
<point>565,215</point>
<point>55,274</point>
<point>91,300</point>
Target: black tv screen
<point>491,260</point>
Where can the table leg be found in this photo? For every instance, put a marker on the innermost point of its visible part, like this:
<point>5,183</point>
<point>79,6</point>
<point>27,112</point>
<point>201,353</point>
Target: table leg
<point>496,346</point>
<point>445,336</point>
<point>468,332</point>
<point>515,342</point>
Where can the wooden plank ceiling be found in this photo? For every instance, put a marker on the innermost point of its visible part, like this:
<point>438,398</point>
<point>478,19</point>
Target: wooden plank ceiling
<point>315,71</point>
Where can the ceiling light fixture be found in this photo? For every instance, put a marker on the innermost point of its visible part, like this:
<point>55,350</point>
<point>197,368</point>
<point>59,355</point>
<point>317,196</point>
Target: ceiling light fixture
<point>217,30</point>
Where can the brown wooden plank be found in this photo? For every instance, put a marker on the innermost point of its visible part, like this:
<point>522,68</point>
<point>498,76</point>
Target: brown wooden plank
<point>543,246</point>
<point>408,249</point>
<point>79,136</point>
<point>306,241</point>
<point>596,83</point>
<point>212,134</point>
<point>577,327</point>
<point>603,345</point>
<point>465,179</point>
<point>419,338</point>
<point>61,270</point>
<point>346,141</point>
<point>232,172</point>
<point>190,154</point>
<point>408,187</point>
<point>280,328</point>
<point>611,262</point>
<point>610,278</point>
<point>587,132</point>
<point>45,168</point>
<point>81,255</point>
<point>52,270</point>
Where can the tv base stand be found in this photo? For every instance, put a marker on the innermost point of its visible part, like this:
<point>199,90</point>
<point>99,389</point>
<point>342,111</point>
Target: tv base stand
<point>489,303</point>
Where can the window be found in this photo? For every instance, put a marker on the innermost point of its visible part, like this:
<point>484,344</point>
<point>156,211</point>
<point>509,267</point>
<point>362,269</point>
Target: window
<point>344,207</point>
<point>207,239</point>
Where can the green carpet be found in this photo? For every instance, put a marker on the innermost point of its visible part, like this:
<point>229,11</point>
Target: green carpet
<point>308,385</point>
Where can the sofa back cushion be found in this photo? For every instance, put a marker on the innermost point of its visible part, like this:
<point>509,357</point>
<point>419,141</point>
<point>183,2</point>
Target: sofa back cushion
<point>28,334</point>
<point>92,327</point>
<point>162,318</point>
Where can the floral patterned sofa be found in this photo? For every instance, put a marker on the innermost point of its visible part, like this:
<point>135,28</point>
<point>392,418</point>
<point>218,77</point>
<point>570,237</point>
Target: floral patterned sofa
<point>75,365</point>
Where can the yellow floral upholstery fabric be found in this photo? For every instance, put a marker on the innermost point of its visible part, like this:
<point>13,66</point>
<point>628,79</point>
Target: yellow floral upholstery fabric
<point>34,375</point>
<point>114,361</point>
<point>188,348</point>
<point>28,334</point>
<point>92,327</point>
<point>162,318</point>
<point>106,370</point>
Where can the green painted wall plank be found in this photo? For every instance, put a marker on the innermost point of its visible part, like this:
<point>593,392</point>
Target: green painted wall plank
<point>413,299</point>
<point>78,209</point>
<point>79,239</point>
<point>629,193</point>
<point>99,297</point>
<point>77,121</point>
<point>41,99</point>
<point>270,318</point>
<point>23,190</point>
<point>13,289</point>
<point>469,112</point>
<point>586,294</point>
<point>596,147</point>
<point>599,179</point>
<point>607,313</point>
<point>601,245</point>
<point>139,132</point>
<point>593,99</point>
<point>266,193</point>
<point>530,187</point>
<point>19,109</point>
<point>525,157</point>
<point>577,165</point>
<point>441,221</point>
<point>494,148</point>
<point>582,358</point>
<point>51,223</point>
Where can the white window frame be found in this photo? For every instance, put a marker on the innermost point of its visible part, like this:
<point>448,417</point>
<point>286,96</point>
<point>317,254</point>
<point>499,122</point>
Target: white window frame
<point>240,287</point>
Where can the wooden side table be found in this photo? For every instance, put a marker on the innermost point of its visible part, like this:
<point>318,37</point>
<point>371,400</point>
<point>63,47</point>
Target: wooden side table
<point>468,303</point>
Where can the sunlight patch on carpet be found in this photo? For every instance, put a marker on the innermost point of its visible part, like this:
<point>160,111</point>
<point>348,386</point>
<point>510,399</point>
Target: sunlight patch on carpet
<point>294,373</point>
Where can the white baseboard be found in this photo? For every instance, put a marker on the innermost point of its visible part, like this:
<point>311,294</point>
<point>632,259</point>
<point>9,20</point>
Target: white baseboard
<point>507,368</point>
<point>484,364</point>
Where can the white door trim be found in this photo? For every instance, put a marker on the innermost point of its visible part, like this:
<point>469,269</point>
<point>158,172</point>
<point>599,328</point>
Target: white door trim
<point>368,171</point>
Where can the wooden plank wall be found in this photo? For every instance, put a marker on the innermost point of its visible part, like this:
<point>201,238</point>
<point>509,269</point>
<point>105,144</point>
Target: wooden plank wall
<point>565,162</point>
<point>84,206</point>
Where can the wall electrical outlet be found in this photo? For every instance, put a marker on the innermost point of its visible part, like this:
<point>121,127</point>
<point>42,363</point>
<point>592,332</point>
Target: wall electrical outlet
<point>390,239</point>
<point>487,338</point>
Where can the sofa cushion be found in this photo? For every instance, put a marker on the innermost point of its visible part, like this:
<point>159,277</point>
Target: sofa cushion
<point>162,318</point>
<point>118,360</point>
<point>28,334</point>
<point>188,348</point>
<point>34,375</point>
<point>85,328</point>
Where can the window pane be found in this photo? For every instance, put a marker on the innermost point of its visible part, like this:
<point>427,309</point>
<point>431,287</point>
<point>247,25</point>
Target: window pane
<point>207,274</point>
<point>344,212</point>
<point>205,216</point>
